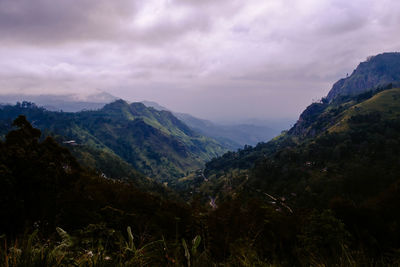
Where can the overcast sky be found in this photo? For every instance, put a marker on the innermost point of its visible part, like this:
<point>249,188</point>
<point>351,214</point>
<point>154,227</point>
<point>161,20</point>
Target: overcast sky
<point>217,59</point>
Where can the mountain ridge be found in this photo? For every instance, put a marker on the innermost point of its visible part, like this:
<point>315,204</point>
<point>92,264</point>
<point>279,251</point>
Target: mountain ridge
<point>153,142</point>
<point>376,71</point>
<point>63,102</point>
<point>233,136</point>
<point>320,119</point>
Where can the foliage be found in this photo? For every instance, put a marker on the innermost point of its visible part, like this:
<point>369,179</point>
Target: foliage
<point>133,136</point>
<point>345,158</point>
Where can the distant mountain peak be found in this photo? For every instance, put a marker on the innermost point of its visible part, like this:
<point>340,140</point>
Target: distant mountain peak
<point>138,105</point>
<point>119,103</point>
<point>154,105</point>
<point>376,71</point>
<point>101,97</point>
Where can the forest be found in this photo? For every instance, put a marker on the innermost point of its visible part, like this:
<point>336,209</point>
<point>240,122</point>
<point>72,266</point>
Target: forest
<point>328,198</point>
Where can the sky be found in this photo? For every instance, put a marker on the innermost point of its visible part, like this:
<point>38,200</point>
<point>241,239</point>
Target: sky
<point>215,59</point>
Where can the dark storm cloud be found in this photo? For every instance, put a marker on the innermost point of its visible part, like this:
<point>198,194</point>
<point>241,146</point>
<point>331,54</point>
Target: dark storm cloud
<point>48,21</point>
<point>40,22</point>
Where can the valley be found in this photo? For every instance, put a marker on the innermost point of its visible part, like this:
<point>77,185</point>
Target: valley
<point>140,186</point>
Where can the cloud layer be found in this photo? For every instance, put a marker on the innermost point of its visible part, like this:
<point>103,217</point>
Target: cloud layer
<point>215,59</point>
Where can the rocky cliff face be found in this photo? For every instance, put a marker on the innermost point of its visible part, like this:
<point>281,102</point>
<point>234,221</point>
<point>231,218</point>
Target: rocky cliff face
<point>381,71</point>
<point>377,71</point>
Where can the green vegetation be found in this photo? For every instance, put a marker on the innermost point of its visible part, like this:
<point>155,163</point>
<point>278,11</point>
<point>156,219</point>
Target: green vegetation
<point>58,214</point>
<point>340,160</point>
<point>322,198</point>
<point>132,136</point>
<point>43,188</point>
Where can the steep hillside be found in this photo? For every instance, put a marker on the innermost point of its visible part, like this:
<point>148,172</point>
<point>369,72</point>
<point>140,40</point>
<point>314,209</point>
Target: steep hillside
<point>376,71</point>
<point>231,136</point>
<point>154,142</point>
<point>343,157</point>
<point>366,95</point>
<point>382,106</point>
<point>318,120</point>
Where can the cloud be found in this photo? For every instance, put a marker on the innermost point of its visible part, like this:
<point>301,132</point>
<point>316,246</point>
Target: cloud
<point>53,22</point>
<point>252,58</point>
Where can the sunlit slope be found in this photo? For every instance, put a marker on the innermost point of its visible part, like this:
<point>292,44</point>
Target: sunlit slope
<point>332,140</point>
<point>384,105</point>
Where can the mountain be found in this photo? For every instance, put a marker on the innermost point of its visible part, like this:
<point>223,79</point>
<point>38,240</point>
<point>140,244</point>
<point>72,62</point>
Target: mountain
<point>340,157</point>
<point>319,117</point>
<point>153,142</point>
<point>154,105</point>
<point>232,136</point>
<point>377,71</point>
<point>67,103</point>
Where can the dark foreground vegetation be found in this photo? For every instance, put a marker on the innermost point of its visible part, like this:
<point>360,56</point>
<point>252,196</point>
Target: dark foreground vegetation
<point>56,213</point>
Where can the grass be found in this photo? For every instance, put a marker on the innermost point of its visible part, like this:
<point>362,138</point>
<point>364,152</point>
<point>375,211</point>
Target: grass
<point>386,103</point>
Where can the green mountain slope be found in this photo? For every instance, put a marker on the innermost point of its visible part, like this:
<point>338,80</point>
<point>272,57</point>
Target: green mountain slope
<point>154,142</point>
<point>231,136</point>
<point>319,119</point>
<point>351,168</point>
<point>384,105</point>
<point>341,155</point>
<point>376,74</point>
